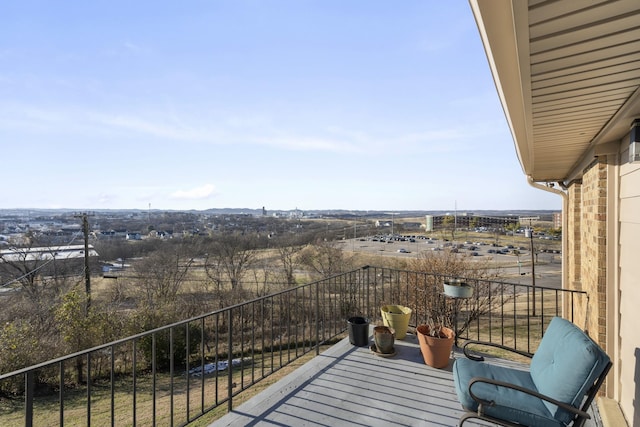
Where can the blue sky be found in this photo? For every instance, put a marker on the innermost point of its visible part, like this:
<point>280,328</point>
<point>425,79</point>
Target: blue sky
<point>367,105</point>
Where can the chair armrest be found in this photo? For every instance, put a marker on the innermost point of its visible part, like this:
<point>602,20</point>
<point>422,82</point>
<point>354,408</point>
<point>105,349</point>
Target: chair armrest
<point>530,392</point>
<point>490,344</point>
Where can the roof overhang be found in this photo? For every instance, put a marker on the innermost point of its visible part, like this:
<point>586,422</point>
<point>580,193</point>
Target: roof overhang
<point>568,77</point>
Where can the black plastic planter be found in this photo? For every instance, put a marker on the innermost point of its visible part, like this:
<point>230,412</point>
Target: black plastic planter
<point>358,331</point>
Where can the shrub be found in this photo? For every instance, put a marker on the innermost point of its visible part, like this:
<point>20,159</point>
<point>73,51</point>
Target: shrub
<point>163,354</point>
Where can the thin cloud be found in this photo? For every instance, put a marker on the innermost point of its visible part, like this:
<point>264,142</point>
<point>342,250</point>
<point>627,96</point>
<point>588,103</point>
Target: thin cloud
<point>125,49</point>
<point>249,130</point>
<point>197,193</point>
<point>308,143</point>
<point>132,47</point>
<point>433,45</point>
<point>258,131</point>
<point>439,135</point>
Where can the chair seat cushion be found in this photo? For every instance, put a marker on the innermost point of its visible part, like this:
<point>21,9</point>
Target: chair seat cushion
<point>509,404</point>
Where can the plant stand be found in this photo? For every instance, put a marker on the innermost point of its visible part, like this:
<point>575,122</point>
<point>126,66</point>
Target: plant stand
<point>455,289</point>
<point>454,300</point>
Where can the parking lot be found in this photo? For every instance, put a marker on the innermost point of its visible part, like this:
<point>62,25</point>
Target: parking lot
<point>512,258</point>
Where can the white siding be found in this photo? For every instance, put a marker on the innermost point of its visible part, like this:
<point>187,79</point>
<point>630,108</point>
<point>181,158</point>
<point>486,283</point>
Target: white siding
<point>629,292</point>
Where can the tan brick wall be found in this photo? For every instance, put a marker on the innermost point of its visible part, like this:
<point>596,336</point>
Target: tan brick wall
<point>586,249</point>
<point>573,235</point>
<point>586,245</point>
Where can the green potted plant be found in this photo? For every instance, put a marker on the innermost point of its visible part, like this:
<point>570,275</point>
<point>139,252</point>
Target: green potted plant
<point>436,342</point>
<point>457,288</point>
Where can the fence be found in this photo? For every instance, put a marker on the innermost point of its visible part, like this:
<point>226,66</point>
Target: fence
<point>175,374</point>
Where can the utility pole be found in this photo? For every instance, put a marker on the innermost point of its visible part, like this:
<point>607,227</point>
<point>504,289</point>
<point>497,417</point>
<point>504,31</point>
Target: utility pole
<point>455,220</point>
<point>87,270</point>
<point>533,258</point>
<point>355,232</point>
<point>392,217</point>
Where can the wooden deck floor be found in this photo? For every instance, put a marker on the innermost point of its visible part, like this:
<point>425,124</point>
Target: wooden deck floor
<point>351,386</point>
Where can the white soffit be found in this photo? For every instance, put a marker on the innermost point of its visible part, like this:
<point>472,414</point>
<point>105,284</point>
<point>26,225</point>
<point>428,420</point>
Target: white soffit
<point>568,75</point>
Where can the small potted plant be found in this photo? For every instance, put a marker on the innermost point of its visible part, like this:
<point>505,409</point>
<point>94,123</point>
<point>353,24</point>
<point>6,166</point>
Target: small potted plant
<point>436,342</point>
<point>457,288</point>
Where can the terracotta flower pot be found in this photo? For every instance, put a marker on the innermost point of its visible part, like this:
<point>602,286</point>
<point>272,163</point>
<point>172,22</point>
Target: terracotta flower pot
<point>436,351</point>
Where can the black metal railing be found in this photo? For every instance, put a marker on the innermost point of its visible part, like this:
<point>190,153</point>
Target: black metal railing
<point>177,373</point>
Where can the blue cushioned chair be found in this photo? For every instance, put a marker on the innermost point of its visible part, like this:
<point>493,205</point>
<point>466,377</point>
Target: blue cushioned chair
<point>563,378</point>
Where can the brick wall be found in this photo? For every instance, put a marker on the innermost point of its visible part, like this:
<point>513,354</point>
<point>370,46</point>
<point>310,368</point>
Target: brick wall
<point>572,232</point>
<point>587,239</point>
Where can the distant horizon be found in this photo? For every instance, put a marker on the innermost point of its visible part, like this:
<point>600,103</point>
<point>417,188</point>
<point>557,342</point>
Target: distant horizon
<point>384,211</point>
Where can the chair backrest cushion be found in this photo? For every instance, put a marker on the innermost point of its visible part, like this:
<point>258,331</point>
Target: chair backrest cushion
<point>566,365</point>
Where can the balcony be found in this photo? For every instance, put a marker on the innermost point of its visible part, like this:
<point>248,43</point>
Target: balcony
<point>349,385</point>
<point>156,378</point>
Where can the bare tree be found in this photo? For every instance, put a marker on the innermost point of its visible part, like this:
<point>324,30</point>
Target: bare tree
<point>161,275</point>
<point>325,259</point>
<point>448,224</point>
<point>288,252</point>
<point>229,256</point>
<point>447,265</point>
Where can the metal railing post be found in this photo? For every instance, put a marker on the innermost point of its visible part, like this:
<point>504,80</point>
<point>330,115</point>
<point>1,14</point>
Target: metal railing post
<point>134,396</point>
<point>171,374</point>
<point>89,381</point>
<point>153,378</point>
<point>367,291</point>
<point>317,319</point>
<point>112,380</point>
<point>28,398</point>
<point>61,393</point>
<point>229,361</point>
<point>188,365</point>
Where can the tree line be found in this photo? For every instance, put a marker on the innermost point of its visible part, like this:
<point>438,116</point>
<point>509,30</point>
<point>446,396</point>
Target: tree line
<point>47,312</point>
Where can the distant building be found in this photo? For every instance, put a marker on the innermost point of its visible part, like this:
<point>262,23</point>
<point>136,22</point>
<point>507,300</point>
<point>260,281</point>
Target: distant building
<point>465,220</point>
<point>429,223</point>
<point>45,253</point>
